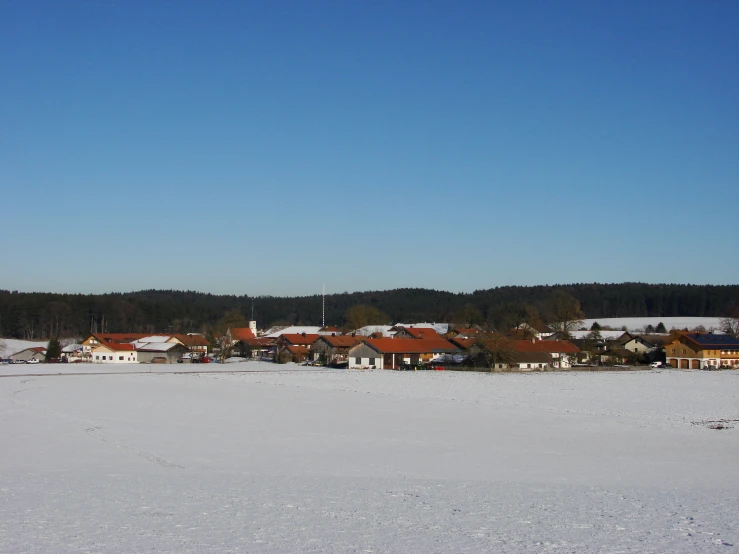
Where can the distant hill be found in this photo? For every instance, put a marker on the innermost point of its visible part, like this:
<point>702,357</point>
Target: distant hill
<point>40,315</point>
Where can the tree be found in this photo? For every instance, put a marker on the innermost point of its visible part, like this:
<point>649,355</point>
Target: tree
<point>225,348</point>
<point>595,326</point>
<point>661,328</point>
<point>493,348</point>
<point>469,315</point>
<point>730,324</point>
<point>362,315</point>
<point>649,329</point>
<point>564,312</point>
<point>53,349</point>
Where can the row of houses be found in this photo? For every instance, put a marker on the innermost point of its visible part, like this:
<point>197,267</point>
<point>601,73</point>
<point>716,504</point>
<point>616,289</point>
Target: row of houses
<point>391,347</point>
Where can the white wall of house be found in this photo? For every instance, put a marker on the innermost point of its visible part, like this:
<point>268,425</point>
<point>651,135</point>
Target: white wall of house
<point>102,355</point>
<point>365,363</point>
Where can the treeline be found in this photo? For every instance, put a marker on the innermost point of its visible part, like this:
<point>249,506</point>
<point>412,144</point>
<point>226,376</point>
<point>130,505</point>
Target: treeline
<point>43,315</point>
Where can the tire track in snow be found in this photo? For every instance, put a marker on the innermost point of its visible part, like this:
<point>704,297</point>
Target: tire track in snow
<point>89,430</point>
<point>94,432</point>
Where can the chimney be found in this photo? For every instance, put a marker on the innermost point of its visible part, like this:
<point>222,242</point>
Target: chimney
<point>303,333</point>
<point>533,339</point>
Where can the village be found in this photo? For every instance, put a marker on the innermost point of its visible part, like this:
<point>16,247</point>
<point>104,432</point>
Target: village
<point>527,347</point>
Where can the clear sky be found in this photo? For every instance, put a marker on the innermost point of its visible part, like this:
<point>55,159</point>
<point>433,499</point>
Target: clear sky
<point>268,147</point>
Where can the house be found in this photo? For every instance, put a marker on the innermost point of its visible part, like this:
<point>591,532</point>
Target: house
<point>531,361</point>
<point>416,333</point>
<point>562,352</point>
<point>33,353</point>
<point>161,352</point>
<point>96,339</point>
<point>537,330</point>
<point>72,353</point>
<point>256,348</point>
<point>334,349</point>
<point>292,352</point>
<point>703,350</point>
<point>240,333</point>
<point>114,353</point>
<point>391,353</point>
<point>197,344</point>
<point>289,343</point>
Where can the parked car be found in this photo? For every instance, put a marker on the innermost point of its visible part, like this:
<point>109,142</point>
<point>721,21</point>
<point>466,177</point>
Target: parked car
<point>655,365</point>
<point>33,361</point>
<point>665,366</point>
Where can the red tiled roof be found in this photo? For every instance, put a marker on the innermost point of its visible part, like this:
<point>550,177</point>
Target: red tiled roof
<point>192,340</point>
<point>342,341</point>
<point>118,346</point>
<point>295,349</point>
<point>38,349</point>
<point>299,338</point>
<point>241,333</point>
<point>464,344</point>
<point>411,346</point>
<point>422,333</point>
<point>548,346</point>
<point>466,331</point>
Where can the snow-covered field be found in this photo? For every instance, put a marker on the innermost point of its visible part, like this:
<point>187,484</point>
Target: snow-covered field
<point>11,346</point>
<point>640,323</point>
<point>340,461</point>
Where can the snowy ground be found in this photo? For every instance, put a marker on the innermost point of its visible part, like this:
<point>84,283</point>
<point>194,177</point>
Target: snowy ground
<point>351,461</point>
<point>640,323</point>
<point>9,347</point>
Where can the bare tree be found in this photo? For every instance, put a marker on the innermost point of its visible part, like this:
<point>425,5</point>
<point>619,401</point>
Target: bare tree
<point>730,324</point>
<point>565,313</point>
<point>493,348</point>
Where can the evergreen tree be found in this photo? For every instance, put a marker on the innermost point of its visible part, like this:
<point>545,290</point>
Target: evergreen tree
<point>53,349</point>
<point>661,328</point>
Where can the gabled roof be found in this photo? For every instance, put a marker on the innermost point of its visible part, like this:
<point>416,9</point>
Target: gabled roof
<point>259,342</point>
<point>238,333</point>
<point>117,346</point>
<point>548,346</point>
<point>159,346</point>
<point>192,340</point>
<point>463,343</point>
<point>296,349</point>
<point>411,346</point>
<point>299,338</point>
<point>421,332</point>
<point>341,341</point>
<point>295,330</point>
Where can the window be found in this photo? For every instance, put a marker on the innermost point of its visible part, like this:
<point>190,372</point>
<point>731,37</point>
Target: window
<point>371,361</point>
<point>358,361</point>
<point>103,357</point>
<point>97,357</point>
<point>120,358</point>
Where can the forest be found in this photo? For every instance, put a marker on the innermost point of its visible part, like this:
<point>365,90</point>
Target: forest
<point>43,315</point>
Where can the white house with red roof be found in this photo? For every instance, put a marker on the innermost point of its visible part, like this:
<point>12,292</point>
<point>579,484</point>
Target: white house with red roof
<point>114,353</point>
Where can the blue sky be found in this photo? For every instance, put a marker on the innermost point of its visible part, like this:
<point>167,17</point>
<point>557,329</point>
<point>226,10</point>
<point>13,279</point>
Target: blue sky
<point>269,147</point>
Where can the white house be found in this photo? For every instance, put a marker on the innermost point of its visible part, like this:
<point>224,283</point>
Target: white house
<point>114,353</point>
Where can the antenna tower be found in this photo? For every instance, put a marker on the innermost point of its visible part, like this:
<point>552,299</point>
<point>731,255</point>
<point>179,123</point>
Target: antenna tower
<point>323,307</point>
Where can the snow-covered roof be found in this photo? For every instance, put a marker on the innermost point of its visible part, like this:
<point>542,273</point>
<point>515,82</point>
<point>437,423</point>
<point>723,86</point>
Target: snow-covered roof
<point>71,348</point>
<point>367,330</point>
<point>296,330</point>
<point>157,346</point>
<point>441,328</point>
